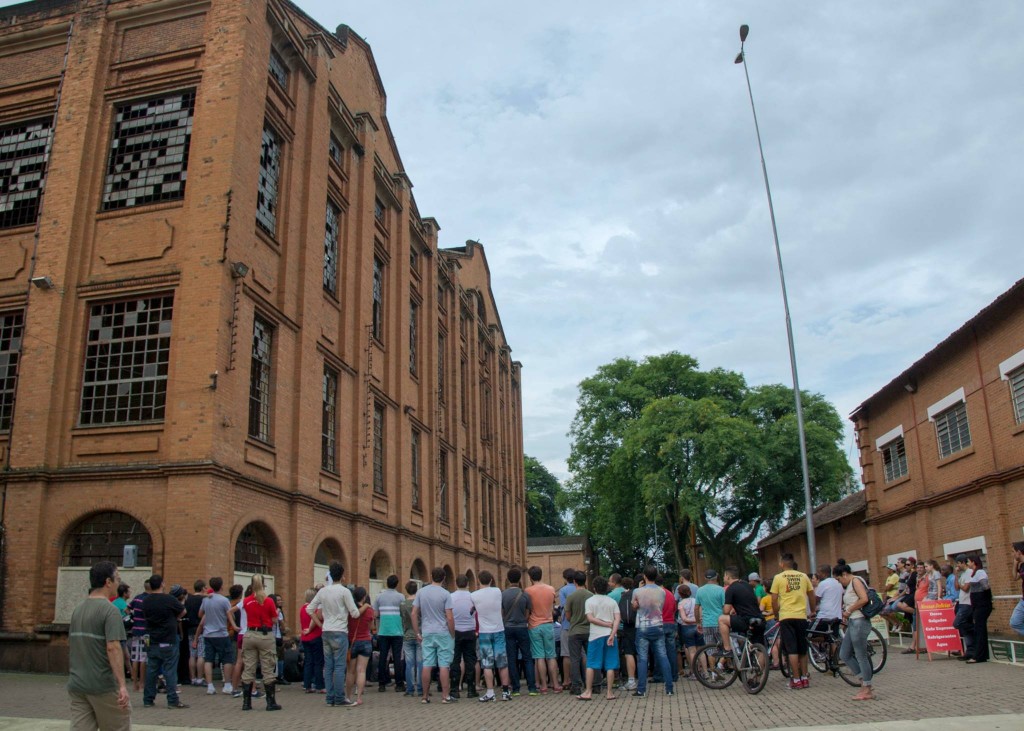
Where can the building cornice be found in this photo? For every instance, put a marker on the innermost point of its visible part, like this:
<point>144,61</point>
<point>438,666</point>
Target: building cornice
<point>954,493</point>
<point>103,473</point>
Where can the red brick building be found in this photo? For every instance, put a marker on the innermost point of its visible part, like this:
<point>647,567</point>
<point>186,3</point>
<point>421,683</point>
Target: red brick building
<point>942,451</point>
<point>942,461</point>
<point>839,532</point>
<point>228,338</point>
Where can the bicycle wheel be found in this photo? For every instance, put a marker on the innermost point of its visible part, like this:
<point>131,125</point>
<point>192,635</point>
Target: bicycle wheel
<point>754,674</point>
<point>878,650</point>
<point>843,671</point>
<point>705,666</point>
<point>817,654</point>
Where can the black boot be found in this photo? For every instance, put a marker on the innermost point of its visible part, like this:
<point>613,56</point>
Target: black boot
<point>271,691</point>
<point>247,697</point>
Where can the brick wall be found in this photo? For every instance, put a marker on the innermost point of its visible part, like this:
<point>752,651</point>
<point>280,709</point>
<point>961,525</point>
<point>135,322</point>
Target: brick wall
<point>196,478</point>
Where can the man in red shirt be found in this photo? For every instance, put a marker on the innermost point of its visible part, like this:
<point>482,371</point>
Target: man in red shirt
<point>668,620</point>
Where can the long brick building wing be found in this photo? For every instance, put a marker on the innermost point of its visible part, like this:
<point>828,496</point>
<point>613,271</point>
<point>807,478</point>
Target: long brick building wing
<point>228,339</point>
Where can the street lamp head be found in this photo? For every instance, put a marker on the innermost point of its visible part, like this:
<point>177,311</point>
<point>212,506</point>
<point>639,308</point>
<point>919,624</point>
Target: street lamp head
<point>744,30</point>
<point>739,57</point>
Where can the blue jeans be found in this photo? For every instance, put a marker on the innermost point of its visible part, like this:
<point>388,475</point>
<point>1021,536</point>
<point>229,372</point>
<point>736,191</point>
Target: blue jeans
<point>335,659</point>
<point>652,638</point>
<point>965,625</point>
<point>413,667</point>
<point>313,665</point>
<point>161,661</point>
<point>1017,618</point>
<point>854,650</point>
<point>670,653</point>
<point>517,640</point>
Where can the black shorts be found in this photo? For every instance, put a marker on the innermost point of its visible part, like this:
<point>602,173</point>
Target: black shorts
<point>628,642</point>
<point>793,633</point>
<point>739,624</point>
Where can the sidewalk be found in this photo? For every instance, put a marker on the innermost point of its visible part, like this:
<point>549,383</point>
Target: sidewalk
<point>951,694</point>
<point>1009,722</point>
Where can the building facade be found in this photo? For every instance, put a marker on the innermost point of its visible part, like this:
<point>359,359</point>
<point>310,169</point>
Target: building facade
<point>839,532</point>
<point>942,452</point>
<point>942,462</point>
<point>228,339</point>
<point>555,554</point>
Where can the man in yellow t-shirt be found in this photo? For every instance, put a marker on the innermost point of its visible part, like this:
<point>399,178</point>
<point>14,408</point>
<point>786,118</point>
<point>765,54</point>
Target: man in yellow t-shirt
<point>792,596</point>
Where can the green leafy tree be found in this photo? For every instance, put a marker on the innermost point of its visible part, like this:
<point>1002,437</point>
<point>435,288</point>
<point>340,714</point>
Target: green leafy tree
<point>662,449</point>
<point>545,501</point>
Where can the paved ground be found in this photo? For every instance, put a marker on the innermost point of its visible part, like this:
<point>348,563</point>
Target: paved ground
<point>908,690</point>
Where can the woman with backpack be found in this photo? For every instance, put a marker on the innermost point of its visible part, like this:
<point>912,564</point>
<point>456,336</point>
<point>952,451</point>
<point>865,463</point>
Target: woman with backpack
<point>854,650</point>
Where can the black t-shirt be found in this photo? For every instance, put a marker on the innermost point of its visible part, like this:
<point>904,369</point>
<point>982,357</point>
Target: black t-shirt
<point>740,595</point>
<point>192,606</point>
<point>162,612</point>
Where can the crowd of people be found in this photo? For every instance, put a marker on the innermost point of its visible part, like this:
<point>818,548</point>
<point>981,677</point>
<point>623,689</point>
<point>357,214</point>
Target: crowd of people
<point>487,643</point>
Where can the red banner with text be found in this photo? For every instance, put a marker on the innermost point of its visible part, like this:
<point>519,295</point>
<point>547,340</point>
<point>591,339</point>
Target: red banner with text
<point>936,617</point>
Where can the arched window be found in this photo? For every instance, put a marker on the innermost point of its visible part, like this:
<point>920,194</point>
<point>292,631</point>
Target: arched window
<point>419,572</point>
<point>252,550</point>
<point>103,536</point>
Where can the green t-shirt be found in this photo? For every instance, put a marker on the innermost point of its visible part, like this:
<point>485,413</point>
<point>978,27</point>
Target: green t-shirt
<point>576,606</point>
<point>94,623</point>
<point>405,613</point>
<point>760,592</point>
<point>616,594</point>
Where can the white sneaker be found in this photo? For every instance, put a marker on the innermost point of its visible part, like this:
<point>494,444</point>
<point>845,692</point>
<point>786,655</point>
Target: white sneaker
<point>210,690</point>
<point>228,689</point>
<point>631,685</point>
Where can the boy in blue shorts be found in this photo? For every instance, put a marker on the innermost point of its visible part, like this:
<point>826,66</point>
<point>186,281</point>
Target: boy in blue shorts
<point>602,648</point>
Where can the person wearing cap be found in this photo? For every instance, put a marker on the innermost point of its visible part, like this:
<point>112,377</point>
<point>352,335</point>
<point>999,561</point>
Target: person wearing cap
<point>162,612</point>
<point>892,582</point>
<point>709,601</point>
<point>757,585</point>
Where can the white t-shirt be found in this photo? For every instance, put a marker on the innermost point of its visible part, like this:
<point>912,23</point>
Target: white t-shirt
<point>335,601</point>
<point>601,606</point>
<point>965,594</point>
<point>488,609</point>
<point>830,599</point>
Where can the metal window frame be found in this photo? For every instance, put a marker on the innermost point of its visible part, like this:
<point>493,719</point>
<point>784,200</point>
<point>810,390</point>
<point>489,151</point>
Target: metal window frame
<point>1016,381</point>
<point>442,487</point>
<point>23,166</point>
<point>952,430</point>
<point>278,68</point>
<point>269,184</point>
<point>260,373</point>
<point>894,459</point>
<point>149,149</point>
<point>252,550</point>
<point>103,536</point>
<point>378,449</point>
<point>332,230</point>
<point>414,317</point>
<point>125,371</point>
<point>329,421</point>
<point>377,310</point>
<point>12,329</point>
<point>414,447</point>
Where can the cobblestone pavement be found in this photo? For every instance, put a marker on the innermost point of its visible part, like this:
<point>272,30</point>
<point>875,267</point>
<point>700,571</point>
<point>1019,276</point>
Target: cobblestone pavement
<point>908,689</point>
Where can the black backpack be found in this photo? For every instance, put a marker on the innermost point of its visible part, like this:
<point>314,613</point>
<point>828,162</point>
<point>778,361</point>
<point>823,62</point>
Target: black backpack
<point>626,611</point>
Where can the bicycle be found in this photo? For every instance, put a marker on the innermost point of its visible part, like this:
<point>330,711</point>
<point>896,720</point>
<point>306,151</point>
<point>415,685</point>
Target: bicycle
<point>823,652</point>
<point>748,661</point>
<point>771,641</point>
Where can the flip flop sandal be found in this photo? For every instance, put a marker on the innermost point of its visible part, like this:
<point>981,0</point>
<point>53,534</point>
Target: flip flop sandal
<point>581,698</point>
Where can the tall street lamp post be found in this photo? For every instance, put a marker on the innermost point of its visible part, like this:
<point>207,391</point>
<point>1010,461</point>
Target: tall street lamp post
<point>741,58</point>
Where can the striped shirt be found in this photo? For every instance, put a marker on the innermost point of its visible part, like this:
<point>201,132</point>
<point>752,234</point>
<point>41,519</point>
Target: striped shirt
<point>387,606</point>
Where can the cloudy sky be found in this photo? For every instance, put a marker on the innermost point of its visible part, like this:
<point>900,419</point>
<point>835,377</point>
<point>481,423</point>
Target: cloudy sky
<point>604,153</point>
